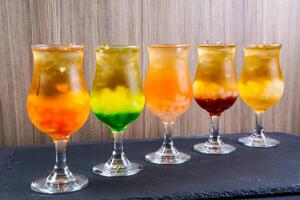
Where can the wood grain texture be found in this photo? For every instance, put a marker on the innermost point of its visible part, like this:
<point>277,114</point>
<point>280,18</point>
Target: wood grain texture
<point>144,22</point>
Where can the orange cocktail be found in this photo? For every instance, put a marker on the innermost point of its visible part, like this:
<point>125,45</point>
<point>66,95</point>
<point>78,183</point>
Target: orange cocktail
<point>58,100</point>
<point>58,105</point>
<point>167,86</point>
<point>168,93</point>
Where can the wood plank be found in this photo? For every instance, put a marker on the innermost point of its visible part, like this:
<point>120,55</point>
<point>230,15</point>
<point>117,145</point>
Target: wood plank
<point>144,22</point>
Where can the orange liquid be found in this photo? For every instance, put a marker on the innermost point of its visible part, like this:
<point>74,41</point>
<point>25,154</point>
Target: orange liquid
<point>57,118</point>
<point>167,86</point>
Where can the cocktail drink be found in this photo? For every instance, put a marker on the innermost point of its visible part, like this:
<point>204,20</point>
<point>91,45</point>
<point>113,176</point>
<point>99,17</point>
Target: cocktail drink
<point>261,87</point>
<point>58,105</point>
<point>215,89</point>
<point>168,94</point>
<point>117,100</point>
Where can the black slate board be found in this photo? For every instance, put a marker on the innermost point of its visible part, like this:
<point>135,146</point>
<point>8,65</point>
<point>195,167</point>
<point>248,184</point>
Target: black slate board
<point>244,173</point>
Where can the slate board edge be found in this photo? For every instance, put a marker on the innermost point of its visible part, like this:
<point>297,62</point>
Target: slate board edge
<point>295,189</point>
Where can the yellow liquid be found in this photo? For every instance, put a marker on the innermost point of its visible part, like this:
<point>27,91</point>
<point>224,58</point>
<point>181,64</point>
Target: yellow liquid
<point>121,100</point>
<point>261,84</point>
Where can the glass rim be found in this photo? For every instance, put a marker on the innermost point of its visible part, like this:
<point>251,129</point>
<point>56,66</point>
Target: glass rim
<point>58,46</point>
<point>263,46</point>
<point>168,46</point>
<point>118,46</point>
<point>214,45</point>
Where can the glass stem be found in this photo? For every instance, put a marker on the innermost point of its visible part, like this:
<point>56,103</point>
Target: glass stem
<point>214,129</point>
<point>61,159</point>
<point>118,159</point>
<point>168,127</point>
<point>259,130</point>
<point>118,151</point>
<point>168,148</point>
<point>61,173</point>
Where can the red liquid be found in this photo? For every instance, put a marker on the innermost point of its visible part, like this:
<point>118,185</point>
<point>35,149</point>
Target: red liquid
<point>216,106</point>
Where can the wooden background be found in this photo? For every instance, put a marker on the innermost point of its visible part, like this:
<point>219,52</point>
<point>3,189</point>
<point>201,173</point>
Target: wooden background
<point>143,22</point>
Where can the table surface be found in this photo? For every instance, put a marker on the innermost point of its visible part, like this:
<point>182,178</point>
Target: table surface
<point>247,173</point>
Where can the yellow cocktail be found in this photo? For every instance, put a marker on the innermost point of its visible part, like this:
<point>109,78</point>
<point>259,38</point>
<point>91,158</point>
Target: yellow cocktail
<point>261,86</point>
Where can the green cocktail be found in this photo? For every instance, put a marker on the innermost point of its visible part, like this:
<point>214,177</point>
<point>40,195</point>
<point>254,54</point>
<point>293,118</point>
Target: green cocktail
<point>117,99</point>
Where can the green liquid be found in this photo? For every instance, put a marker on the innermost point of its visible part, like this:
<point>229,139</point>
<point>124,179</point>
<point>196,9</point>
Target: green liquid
<point>118,122</point>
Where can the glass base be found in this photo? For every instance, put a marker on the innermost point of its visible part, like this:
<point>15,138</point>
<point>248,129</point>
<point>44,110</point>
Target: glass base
<point>107,170</point>
<point>167,154</point>
<point>210,147</point>
<point>161,159</point>
<point>41,185</point>
<point>255,140</point>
